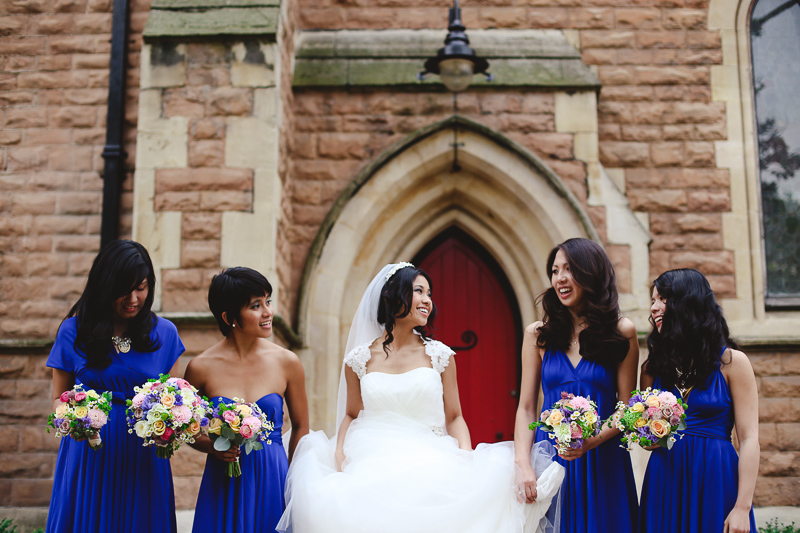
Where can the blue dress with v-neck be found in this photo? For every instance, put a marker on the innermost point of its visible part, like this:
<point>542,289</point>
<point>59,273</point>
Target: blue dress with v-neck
<point>122,487</point>
<point>692,487</point>
<point>599,492</point>
<point>254,501</point>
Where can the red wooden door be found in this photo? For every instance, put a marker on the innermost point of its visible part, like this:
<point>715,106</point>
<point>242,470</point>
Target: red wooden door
<point>479,318</point>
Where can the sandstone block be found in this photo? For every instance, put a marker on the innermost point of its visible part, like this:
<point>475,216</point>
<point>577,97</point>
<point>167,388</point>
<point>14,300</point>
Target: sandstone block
<point>607,38</point>
<point>548,17</point>
<point>717,262</point>
<point>204,179</point>
<point>781,386</point>
<point>791,364</point>
<point>703,39</point>
<point>778,410</point>
<point>201,225</point>
<point>10,25</point>
<point>71,44</point>
<point>231,101</point>
<point>643,18</point>
<point>182,279</point>
<point>700,154</point>
<point>206,153</point>
<point>186,489</point>
<point>51,24</point>
<point>73,117</point>
<point>177,201</point>
<point>207,128</point>
<point>78,203</point>
<point>26,159</point>
<point>75,243</point>
<point>9,437</point>
<point>19,63</point>
<point>591,18</point>
<point>33,439</point>
<point>768,436</point>
<point>10,137</point>
<point>226,201</point>
<point>627,93</point>
<point>692,112</point>
<point>92,23</point>
<point>551,145</point>
<point>48,136</point>
<point>79,264</point>
<point>779,463</point>
<point>10,98</point>
<point>713,200</point>
<point>609,132</point>
<point>91,61</point>
<point>706,242</point>
<point>187,462</point>
<point>698,222</point>
<point>788,436</point>
<point>664,154</point>
<point>672,75</point>
<point>71,158</point>
<point>624,154</point>
<point>690,19</point>
<point>22,45</point>
<point>46,264</point>
<point>640,133</point>
<point>661,39</point>
<point>600,56</point>
<point>776,491</point>
<point>657,200</point>
<point>31,492</point>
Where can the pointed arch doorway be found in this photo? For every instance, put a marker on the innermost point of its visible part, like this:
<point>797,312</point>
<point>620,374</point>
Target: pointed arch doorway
<point>478,316</point>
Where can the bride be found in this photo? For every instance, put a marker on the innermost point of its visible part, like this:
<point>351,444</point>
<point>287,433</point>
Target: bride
<point>402,459</point>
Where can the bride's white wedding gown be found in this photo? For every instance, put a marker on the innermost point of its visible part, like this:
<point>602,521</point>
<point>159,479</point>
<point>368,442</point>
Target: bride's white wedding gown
<point>402,472</point>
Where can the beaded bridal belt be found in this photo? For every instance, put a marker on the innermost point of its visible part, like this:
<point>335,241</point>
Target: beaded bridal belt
<point>438,431</point>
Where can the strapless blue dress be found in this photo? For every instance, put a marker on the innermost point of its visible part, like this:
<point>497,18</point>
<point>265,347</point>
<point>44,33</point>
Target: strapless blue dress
<point>254,501</point>
<point>599,491</point>
<point>692,487</point>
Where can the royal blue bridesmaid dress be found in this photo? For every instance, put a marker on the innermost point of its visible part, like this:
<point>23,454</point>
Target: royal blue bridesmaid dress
<point>122,487</point>
<point>599,491</point>
<point>692,487</point>
<point>254,501</point>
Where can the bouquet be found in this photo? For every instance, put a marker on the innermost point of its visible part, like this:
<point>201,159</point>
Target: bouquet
<point>166,412</point>
<point>651,417</point>
<point>570,421</point>
<point>81,415</point>
<point>241,424</point>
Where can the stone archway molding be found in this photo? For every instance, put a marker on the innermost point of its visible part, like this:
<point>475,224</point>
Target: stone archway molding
<point>505,197</point>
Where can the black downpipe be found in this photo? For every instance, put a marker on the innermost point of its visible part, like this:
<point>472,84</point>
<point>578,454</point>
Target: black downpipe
<point>113,154</point>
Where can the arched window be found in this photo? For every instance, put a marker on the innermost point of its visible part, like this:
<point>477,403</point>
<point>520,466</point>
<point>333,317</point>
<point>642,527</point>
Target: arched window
<point>775,42</point>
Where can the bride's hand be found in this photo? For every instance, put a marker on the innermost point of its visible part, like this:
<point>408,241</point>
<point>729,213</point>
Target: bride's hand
<point>340,459</point>
<point>526,488</point>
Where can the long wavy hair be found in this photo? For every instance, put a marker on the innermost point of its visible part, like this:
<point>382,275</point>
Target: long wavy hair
<point>118,269</point>
<point>397,296</point>
<point>693,331</point>
<point>593,272</point>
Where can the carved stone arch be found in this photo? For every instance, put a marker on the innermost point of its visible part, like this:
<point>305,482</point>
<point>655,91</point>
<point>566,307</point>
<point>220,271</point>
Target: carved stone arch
<point>504,197</point>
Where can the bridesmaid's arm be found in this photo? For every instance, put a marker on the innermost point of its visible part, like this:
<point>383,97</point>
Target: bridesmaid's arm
<point>527,410</point>
<point>742,383</point>
<point>645,379</point>
<point>297,401</point>
<point>626,383</point>
<point>354,406</point>
<point>62,381</point>
<point>456,425</point>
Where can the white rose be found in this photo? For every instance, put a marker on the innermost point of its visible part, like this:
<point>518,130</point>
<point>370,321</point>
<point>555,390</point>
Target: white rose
<point>141,428</point>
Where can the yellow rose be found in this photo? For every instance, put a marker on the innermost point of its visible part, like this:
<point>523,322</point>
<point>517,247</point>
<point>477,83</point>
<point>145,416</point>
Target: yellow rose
<point>168,400</point>
<point>81,411</point>
<point>659,428</point>
<point>652,401</point>
<point>244,410</point>
<point>555,418</point>
<point>62,410</point>
<point>589,417</point>
<point>158,427</point>
<point>640,422</point>
<point>235,425</point>
<point>638,407</point>
<point>92,394</point>
<point>214,426</point>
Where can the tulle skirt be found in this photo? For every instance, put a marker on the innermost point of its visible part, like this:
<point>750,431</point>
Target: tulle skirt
<point>400,476</point>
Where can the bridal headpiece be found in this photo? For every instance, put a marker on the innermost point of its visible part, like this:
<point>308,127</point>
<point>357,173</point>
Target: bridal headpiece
<point>397,267</point>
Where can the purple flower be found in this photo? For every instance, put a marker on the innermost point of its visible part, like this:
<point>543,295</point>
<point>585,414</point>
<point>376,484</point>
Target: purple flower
<point>178,400</point>
<point>203,422</point>
<point>575,444</point>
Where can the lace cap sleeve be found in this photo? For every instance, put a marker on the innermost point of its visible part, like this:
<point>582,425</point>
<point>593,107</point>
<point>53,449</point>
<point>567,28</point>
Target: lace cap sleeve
<point>357,359</point>
<point>439,353</point>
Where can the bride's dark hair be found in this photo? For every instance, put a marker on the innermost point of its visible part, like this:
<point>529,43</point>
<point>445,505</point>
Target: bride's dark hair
<point>397,296</point>
<point>693,331</point>
<point>118,269</point>
<point>593,272</point>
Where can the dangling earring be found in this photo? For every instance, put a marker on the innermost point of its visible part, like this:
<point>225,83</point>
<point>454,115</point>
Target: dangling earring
<point>233,325</point>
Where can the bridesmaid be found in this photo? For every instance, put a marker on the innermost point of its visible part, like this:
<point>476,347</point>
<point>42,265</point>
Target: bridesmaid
<point>700,485</point>
<point>111,341</point>
<point>245,364</point>
<point>584,347</point>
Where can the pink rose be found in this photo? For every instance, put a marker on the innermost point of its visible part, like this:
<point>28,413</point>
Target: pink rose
<point>95,440</point>
<point>80,396</point>
<point>246,431</point>
<point>544,416</point>
<point>230,416</point>
<point>71,394</point>
<point>653,412</point>
<point>667,411</point>
<point>678,410</point>
<point>65,397</point>
<point>181,414</point>
<point>576,431</point>
<point>183,384</point>
<point>253,422</point>
<point>64,428</point>
<point>137,400</point>
<point>97,418</point>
